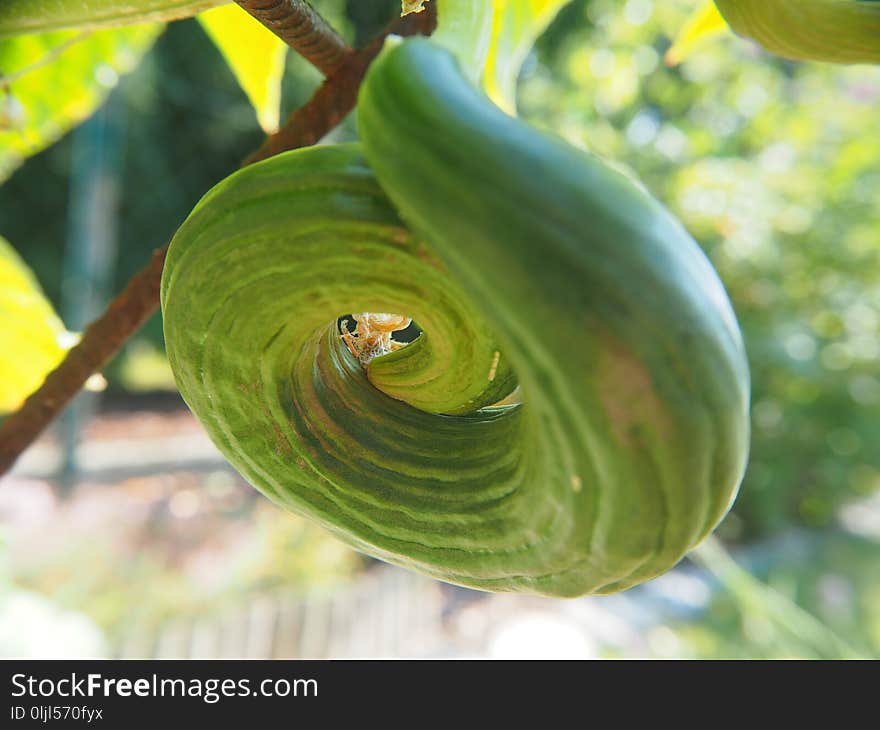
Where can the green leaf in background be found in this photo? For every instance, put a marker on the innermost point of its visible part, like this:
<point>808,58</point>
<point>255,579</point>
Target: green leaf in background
<point>41,16</point>
<point>831,31</point>
<point>464,27</point>
<point>255,55</point>
<point>33,339</point>
<point>516,26</point>
<point>51,82</point>
<point>801,633</point>
<point>705,24</point>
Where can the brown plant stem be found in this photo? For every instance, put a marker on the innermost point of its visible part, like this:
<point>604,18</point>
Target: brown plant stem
<point>337,96</point>
<point>305,31</point>
<point>129,310</point>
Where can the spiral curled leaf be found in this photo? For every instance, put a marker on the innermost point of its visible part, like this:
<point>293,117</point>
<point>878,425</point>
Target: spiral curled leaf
<point>514,253</point>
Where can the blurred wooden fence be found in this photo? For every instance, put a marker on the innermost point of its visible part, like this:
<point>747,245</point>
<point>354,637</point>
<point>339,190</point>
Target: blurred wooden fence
<point>384,613</point>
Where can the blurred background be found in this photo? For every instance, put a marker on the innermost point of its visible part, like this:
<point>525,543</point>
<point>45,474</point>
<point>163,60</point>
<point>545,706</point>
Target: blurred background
<point>124,533</point>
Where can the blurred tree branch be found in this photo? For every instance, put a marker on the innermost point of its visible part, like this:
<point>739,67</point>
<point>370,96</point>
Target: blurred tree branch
<point>102,339</point>
<point>337,96</point>
<point>305,31</point>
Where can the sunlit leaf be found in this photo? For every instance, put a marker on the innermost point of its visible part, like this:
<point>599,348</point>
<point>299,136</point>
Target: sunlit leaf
<point>50,82</point>
<point>33,339</point>
<point>703,25</point>
<point>18,17</point>
<point>255,55</point>
<point>466,29</point>
<point>516,26</point>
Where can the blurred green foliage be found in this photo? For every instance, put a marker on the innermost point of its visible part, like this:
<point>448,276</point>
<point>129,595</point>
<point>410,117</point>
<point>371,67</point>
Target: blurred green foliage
<point>818,604</point>
<point>50,82</point>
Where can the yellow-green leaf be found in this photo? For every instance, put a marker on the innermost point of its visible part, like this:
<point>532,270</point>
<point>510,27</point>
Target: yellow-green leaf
<point>255,55</point>
<point>20,17</point>
<point>516,26</point>
<point>704,24</point>
<point>465,28</point>
<point>33,339</point>
<point>831,31</point>
<point>50,82</point>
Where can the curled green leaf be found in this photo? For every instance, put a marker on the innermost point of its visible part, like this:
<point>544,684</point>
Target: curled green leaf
<point>522,260</point>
